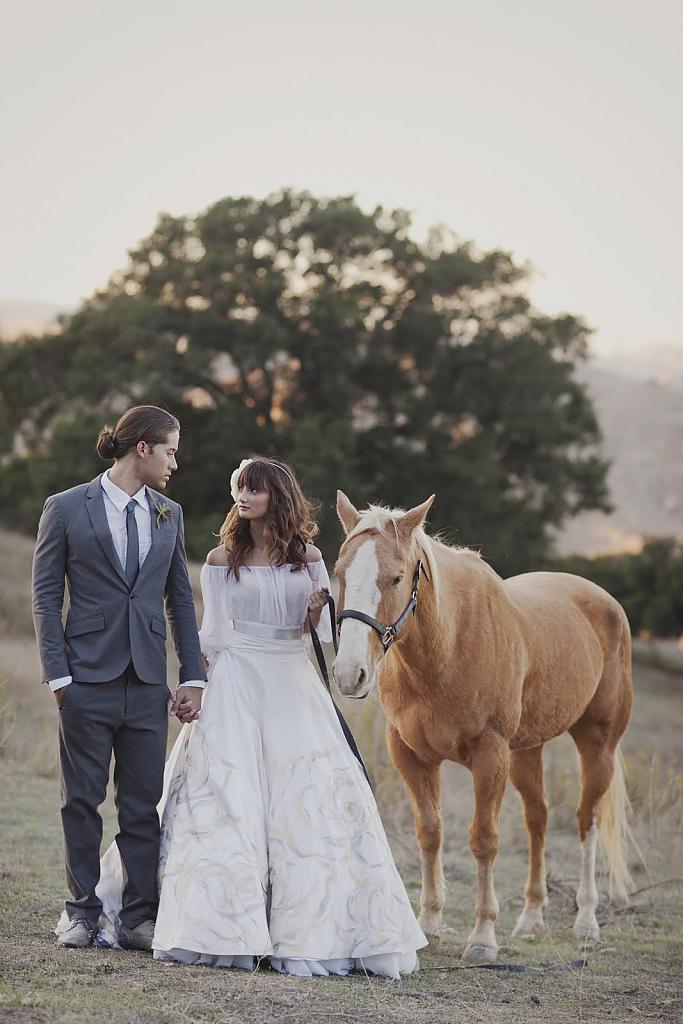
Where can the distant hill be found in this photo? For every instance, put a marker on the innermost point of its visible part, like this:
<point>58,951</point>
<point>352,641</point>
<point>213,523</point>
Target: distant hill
<point>661,364</point>
<point>26,316</point>
<point>642,424</point>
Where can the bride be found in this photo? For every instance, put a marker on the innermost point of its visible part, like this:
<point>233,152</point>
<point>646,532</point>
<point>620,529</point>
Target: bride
<point>271,842</point>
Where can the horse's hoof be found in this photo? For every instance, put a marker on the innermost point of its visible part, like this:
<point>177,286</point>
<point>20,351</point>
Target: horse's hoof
<point>587,933</point>
<point>434,941</point>
<point>430,922</point>
<point>528,930</point>
<point>475,954</point>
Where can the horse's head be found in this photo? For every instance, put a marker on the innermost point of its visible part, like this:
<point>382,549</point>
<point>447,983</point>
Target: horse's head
<point>375,568</point>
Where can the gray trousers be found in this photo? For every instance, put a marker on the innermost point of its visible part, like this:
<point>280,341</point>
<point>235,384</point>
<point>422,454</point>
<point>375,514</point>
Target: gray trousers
<point>130,718</point>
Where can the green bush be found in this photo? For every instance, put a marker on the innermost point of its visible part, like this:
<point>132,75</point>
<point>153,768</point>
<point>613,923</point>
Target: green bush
<point>649,585</point>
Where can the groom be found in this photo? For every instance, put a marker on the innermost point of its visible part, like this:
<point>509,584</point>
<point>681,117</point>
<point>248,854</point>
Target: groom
<point>120,544</point>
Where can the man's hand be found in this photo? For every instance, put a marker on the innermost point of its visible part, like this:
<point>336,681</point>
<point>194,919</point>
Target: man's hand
<point>187,703</point>
<point>59,694</point>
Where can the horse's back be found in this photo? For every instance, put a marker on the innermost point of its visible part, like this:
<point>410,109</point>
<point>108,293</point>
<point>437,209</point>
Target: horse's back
<point>555,597</point>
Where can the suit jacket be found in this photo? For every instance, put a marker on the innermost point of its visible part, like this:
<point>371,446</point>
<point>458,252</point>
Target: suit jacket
<point>110,624</point>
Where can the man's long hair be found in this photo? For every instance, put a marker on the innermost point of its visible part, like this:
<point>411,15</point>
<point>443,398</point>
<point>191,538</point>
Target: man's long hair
<point>289,524</point>
<point>141,423</point>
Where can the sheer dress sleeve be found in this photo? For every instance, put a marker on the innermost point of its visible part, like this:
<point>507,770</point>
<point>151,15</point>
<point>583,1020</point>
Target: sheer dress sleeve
<point>320,578</point>
<point>215,629</point>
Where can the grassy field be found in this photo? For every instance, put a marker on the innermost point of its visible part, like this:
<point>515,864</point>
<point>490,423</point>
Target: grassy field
<point>632,974</point>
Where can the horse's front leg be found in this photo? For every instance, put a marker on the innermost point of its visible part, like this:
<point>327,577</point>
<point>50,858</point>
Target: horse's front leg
<point>423,784</point>
<point>489,764</point>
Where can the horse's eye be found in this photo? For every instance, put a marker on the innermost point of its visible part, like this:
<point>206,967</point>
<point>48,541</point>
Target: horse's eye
<point>396,581</point>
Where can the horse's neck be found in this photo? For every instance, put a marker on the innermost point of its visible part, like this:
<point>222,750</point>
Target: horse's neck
<point>472,594</point>
<point>463,598</point>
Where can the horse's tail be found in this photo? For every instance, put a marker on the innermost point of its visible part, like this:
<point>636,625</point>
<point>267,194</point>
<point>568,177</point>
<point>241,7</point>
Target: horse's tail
<point>616,834</point>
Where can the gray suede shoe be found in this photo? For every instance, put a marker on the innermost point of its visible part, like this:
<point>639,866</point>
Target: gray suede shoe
<point>139,937</point>
<point>78,935</point>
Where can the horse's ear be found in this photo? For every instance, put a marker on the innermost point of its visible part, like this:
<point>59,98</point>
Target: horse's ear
<point>414,517</point>
<point>347,512</point>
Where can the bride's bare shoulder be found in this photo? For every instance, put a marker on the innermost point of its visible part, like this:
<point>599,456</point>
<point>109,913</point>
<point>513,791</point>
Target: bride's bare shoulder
<point>313,554</point>
<point>217,556</point>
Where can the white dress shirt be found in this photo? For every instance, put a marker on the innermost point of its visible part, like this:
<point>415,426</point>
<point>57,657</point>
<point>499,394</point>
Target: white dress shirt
<point>115,502</point>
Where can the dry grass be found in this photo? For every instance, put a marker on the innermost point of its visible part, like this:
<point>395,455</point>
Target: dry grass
<point>632,974</point>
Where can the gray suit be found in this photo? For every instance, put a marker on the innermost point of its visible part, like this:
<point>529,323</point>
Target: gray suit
<point>113,645</point>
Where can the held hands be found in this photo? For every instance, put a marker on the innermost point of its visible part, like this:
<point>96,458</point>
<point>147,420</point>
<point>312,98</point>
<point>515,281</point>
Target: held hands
<point>187,703</point>
<point>316,603</point>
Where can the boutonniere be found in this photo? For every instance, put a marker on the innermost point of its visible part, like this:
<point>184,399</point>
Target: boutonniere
<point>163,512</point>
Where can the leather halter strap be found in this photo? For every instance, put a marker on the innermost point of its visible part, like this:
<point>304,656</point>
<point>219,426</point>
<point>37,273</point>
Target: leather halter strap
<point>387,634</point>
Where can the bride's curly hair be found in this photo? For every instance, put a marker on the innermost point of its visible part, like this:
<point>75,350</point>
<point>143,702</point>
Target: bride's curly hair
<point>289,524</point>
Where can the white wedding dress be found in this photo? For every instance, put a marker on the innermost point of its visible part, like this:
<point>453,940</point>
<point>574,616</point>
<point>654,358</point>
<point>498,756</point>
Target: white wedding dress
<point>271,842</point>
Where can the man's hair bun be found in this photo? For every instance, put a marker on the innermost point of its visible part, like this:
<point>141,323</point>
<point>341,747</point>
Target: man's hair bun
<point>106,443</point>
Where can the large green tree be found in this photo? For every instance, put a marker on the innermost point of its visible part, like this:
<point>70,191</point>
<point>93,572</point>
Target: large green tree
<point>309,329</point>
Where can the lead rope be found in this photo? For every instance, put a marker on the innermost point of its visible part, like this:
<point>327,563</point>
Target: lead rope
<point>317,647</point>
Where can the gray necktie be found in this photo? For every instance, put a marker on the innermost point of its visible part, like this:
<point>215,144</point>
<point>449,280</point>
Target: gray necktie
<point>133,550</point>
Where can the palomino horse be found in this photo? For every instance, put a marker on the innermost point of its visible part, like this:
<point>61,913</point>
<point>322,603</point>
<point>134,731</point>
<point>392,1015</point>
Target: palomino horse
<point>484,673</point>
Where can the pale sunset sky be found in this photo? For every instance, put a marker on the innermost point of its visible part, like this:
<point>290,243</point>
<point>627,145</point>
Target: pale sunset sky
<point>552,129</point>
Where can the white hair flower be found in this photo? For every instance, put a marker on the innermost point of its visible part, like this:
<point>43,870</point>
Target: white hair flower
<point>234,479</point>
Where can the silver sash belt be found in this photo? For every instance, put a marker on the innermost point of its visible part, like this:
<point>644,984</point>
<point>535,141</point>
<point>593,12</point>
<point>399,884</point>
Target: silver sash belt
<point>265,632</point>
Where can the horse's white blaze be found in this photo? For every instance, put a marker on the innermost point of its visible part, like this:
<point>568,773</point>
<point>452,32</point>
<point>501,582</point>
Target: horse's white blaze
<point>586,925</point>
<point>363,595</point>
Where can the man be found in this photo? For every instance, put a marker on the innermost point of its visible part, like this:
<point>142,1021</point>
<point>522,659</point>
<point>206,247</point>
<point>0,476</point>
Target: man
<point>120,544</point>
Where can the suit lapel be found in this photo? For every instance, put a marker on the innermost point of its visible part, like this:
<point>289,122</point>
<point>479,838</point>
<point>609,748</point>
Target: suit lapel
<point>94,503</point>
<point>163,535</point>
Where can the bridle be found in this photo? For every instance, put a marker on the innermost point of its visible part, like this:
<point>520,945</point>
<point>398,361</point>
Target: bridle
<point>387,634</point>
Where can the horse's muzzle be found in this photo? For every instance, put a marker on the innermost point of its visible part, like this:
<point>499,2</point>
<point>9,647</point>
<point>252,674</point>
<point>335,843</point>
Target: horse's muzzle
<point>360,687</point>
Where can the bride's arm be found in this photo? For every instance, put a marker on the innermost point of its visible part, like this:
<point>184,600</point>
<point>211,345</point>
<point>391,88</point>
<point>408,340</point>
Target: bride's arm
<point>317,601</point>
<point>215,597</point>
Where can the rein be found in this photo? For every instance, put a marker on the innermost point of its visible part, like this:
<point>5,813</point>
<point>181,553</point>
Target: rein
<point>322,665</point>
<point>387,634</point>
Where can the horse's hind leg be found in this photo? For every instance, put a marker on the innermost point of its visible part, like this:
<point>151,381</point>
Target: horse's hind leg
<point>597,767</point>
<point>597,734</point>
<point>489,763</point>
<point>423,782</point>
<point>526,773</point>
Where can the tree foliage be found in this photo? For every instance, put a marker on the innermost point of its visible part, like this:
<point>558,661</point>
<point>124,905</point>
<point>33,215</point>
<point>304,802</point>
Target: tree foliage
<point>312,330</point>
